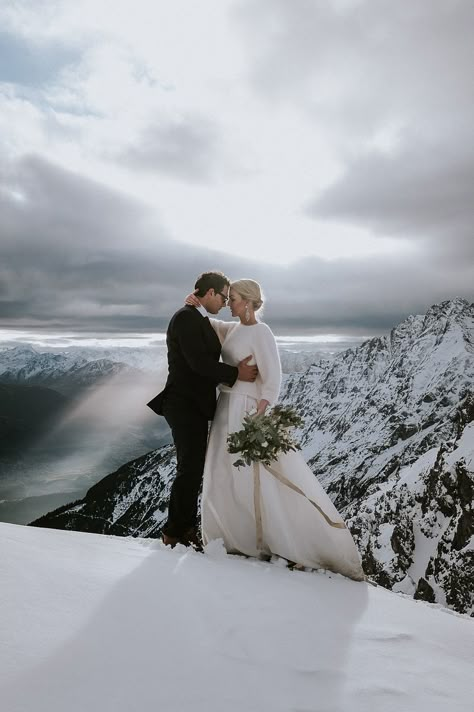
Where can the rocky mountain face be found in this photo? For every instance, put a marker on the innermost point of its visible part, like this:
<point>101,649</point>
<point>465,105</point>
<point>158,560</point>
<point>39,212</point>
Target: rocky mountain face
<point>376,408</point>
<point>130,502</point>
<point>415,531</point>
<point>295,361</point>
<point>388,431</point>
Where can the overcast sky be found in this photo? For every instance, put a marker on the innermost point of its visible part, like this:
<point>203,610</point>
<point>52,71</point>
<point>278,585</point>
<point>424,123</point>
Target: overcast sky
<point>322,148</point>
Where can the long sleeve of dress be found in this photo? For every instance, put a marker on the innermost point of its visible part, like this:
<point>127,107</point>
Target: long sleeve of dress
<point>268,362</point>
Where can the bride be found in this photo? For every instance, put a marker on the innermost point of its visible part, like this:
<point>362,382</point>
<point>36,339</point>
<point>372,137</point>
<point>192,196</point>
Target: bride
<point>290,515</point>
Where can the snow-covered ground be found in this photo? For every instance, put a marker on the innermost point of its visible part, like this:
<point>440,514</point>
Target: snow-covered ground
<point>105,624</point>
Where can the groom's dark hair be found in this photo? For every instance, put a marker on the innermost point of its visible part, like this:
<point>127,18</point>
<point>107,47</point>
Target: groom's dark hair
<point>211,280</point>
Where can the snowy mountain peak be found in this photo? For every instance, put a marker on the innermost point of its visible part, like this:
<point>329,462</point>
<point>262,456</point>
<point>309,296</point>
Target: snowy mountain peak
<point>18,354</point>
<point>455,315</point>
<point>24,348</point>
<point>451,307</point>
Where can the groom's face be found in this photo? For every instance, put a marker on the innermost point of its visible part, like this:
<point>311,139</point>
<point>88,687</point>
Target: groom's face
<point>216,300</point>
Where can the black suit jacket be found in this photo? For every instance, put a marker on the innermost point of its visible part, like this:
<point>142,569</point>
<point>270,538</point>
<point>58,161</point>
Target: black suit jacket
<point>194,369</point>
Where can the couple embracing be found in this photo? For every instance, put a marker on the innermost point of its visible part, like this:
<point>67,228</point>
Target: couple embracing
<point>304,529</point>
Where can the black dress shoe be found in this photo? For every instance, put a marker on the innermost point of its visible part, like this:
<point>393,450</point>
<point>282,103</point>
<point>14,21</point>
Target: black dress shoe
<point>170,540</point>
<point>192,538</point>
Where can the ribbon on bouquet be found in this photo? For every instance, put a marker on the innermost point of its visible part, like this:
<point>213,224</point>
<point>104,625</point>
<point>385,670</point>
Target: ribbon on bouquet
<point>285,481</point>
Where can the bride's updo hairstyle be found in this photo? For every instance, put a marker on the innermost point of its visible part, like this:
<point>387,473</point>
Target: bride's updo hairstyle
<point>249,289</point>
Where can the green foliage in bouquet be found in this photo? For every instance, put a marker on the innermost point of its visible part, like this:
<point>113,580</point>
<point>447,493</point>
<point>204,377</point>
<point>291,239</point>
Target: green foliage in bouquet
<point>263,437</point>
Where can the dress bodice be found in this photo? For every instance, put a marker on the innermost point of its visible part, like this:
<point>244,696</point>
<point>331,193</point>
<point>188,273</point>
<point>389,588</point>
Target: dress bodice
<point>257,340</point>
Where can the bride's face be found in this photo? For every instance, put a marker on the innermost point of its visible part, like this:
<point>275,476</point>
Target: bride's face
<point>236,304</point>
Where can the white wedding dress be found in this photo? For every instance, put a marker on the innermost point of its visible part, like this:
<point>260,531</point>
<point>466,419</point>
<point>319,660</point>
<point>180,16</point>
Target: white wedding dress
<point>309,533</point>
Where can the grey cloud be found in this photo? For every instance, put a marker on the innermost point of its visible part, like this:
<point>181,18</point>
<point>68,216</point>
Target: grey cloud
<point>73,252</point>
<point>359,61</point>
<point>68,207</point>
<point>364,69</point>
<point>423,192</point>
<point>360,296</point>
<point>125,275</point>
<point>186,150</point>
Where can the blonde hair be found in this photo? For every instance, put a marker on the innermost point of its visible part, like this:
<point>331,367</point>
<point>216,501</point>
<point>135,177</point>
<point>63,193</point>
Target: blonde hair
<point>249,289</point>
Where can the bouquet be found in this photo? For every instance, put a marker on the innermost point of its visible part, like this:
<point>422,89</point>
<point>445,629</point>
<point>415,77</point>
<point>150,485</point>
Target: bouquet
<point>263,437</point>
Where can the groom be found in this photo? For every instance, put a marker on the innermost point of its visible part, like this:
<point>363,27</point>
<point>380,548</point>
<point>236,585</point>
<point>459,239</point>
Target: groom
<point>188,400</point>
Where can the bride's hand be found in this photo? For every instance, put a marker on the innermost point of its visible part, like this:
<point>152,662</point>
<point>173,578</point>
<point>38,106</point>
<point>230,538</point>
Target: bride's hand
<point>191,300</point>
<point>262,405</point>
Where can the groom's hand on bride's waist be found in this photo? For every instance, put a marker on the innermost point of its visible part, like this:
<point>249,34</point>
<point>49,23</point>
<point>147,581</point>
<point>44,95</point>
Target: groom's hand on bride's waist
<point>247,372</point>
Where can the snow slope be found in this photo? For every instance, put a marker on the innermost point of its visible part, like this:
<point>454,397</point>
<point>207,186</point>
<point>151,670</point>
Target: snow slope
<point>93,622</point>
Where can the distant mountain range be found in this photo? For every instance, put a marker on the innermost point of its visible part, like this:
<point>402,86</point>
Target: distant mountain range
<point>389,432</point>
<point>66,373</point>
<point>76,368</point>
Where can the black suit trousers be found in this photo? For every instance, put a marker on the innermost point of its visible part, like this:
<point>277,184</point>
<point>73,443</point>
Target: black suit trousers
<point>189,428</point>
